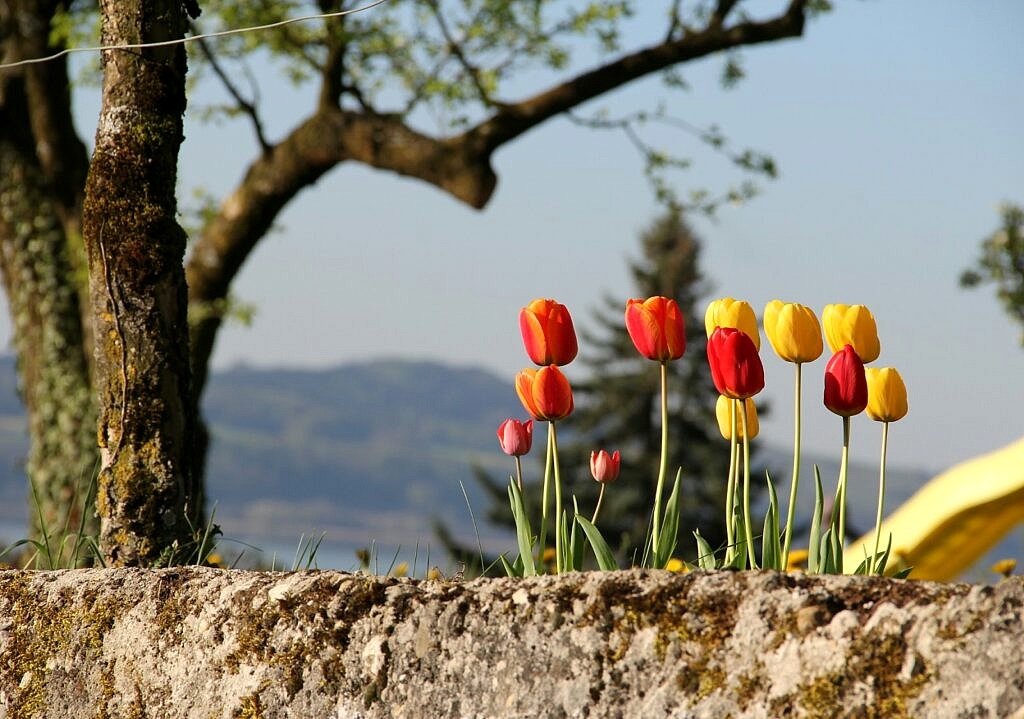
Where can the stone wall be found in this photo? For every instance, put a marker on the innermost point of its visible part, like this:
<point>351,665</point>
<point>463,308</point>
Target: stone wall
<point>197,642</point>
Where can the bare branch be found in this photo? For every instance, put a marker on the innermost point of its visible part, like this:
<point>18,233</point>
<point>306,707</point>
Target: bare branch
<point>455,48</point>
<point>249,108</point>
<point>722,12</point>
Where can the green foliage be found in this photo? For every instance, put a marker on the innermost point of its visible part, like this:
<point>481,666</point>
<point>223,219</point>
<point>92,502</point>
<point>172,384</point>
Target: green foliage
<point>1002,262</point>
<point>447,56</point>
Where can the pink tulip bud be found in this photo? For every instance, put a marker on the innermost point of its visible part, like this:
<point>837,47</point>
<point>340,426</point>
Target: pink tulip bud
<point>515,437</point>
<point>605,467</point>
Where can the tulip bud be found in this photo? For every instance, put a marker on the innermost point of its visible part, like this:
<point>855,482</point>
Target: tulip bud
<point>656,327</point>
<point>846,388</point>
<point>851,325</point>
<point>793,331</point>
<point>545,393</point>
<point>548,334</point>
<point>605,467</point>
<point>887,395</point>
<point>729,312</point>
<point>724,413</point>
<point>515,437</point>
<point>736,367</point>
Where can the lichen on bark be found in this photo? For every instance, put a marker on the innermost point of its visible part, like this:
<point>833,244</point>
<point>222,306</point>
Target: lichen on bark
<point>53,371</point>
<point>135,253</point>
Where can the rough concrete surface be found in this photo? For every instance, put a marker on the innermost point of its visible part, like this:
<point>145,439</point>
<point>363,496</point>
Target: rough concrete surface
<point>196,642</point>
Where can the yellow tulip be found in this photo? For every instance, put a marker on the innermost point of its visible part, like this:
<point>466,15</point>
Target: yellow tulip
<point>793,331</point>
<point>887,395</point>
<point>723,410</point>
<point>851,325</point>
<point>729,312</point>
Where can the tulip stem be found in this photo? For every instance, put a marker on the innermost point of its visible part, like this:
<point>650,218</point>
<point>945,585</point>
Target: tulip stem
<point>795,483</point>
<point>559,563</point>
<point>841,494</point>
<point>730,489</point>
<point>663,466</point>
<point>544,497</point>
<point>881,501</point>
<point>519,474</point>
<point>746,489</point>
<point>597,509</point>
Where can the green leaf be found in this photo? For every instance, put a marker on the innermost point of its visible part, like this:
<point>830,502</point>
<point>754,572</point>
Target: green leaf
<point>670,526</point>
<point>567,555</point>
<point>510,570</point>
<point>705,554</point>
<point>602,552</point>
<point>771,548</point>
<point>575,543</point>
<point>524,535</point>
<point>814,542</point>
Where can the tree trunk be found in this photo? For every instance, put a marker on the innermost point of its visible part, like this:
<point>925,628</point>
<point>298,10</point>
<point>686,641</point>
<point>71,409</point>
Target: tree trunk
<point>135,253</point>
<point>54,374</point>
<point>38,210</point>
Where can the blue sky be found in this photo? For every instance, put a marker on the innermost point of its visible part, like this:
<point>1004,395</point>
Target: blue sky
<point>897,129</point>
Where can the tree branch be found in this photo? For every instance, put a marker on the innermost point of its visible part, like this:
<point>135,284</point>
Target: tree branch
<point>459,165</point>
<point>247,107</point>
<point>62,154</point>
<point>516,118</point>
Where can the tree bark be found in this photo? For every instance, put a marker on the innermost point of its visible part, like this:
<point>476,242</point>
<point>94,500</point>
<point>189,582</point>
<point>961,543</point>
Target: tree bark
<point>135,250</point>
<point>39,207</point>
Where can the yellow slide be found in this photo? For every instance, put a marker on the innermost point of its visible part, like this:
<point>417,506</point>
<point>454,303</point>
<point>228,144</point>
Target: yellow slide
<point>954,519</point>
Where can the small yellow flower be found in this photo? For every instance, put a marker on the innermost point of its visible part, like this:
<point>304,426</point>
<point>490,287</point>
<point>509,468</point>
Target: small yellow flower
<point>547,557</point>
<point>401,569</point>
<point>724,411</point>
<point>214,560</point>
<point>1004,567</point>
<point>793,331</point>
<point>434,574</point>
<point>851,325</point>
<point>677,565</point>
<point>887,395</point>
<point>797,560</point>
<point>729,312</point>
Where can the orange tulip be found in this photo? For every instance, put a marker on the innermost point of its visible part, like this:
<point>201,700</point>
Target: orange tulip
<point>548,333</point>
<point>545,393</point>
<point>656,327</point>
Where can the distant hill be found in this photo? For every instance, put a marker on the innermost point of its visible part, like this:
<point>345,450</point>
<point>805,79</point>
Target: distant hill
<point>369,452</point>
<point>366,451</point>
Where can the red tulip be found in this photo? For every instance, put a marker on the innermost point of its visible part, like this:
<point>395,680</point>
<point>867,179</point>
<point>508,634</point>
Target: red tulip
<point>545,393</point>
<point>846,387</point>
<point>656,327</point>
<point>548,333</point>
<point>736,367</point>
<point>605,467</point>
<point>515,437</point>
